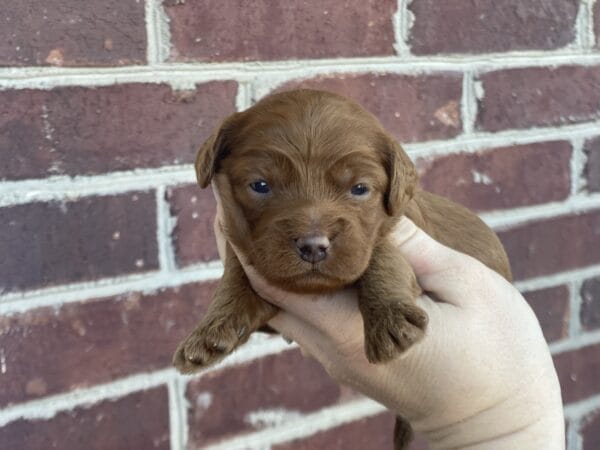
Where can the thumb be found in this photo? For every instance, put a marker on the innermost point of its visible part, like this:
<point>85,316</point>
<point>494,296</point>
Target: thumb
<point>448,274</point>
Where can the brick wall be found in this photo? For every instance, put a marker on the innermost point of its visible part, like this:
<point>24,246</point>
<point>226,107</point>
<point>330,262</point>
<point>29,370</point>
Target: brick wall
<point>107,256</point>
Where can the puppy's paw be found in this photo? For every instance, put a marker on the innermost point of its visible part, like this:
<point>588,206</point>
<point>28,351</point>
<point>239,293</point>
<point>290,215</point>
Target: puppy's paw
<point>393,330</point>
<point>207,345</point>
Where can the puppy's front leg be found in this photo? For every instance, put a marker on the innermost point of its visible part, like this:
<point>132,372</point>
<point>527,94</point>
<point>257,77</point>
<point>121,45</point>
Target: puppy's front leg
<point>387,293</point>
<point>234,313</point>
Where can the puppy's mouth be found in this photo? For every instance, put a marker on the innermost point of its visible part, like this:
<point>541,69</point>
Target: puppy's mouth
<point>313,279</point>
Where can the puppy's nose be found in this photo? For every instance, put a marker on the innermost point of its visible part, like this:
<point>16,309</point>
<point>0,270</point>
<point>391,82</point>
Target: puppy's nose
<point>312,248</point>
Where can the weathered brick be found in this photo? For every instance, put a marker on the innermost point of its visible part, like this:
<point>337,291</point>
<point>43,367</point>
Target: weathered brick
<point>137,421</point>
<point>243,398</point>
<point>480,26</point>
<point>44,244</point>
<point>412,108</point>
<point>371,432</point>
<point>47,351</point>
<point>551,306</point>
<point>503,177</point>
<point>193,236</point>
<point>590,304</point>
<point>374,432</point>
<point>592,166</point>
<point>539,96</point>
<point>579,373</point>
<point>79,130</point>
<point>59,33</point>
<point>228,30</point>
<point>590,431</point>
<point>553,245</point>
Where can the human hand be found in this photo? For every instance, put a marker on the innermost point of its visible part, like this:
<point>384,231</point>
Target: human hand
<point>481,378</point>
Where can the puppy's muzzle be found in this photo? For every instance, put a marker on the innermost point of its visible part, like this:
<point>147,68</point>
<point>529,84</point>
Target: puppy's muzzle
<point>312,248</point>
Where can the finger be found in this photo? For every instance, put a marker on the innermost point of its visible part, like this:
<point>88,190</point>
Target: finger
<point>218,224</point>
<point>448,274</point>
<point>319,310</point>
<point>215,191</point>
<point>304,334</point>
<point>220,238</point>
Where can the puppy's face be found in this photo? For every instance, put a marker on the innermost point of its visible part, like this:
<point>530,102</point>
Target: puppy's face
<point>309,181</point>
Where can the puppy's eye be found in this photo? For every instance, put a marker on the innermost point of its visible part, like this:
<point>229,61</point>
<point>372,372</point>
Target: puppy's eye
<point>260,186</point>
<point>359,189</point>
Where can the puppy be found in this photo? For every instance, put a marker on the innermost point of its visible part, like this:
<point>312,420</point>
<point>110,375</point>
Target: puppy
<point>311,186</point>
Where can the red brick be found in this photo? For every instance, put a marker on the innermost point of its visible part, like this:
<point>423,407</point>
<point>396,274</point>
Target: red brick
<point>553,245</point>
<point>592,166</point>
<point>193,236</point>
<point>228,30</point>
<point>222,402</point>
<point>137,421</point>
<point>480,26</point>
<point>48,350</point>
<point>79,240</point>
<point>551,306</point>
<point>412,108</point>
<point>61,33</point>
<point>590,431</point>
<point>371,432</point>
<point>79,130</point>
<point>503,177</point>
<point>590,304</point>
<point>539,96</point>
<point>579,373</point>
<point>374,432</point>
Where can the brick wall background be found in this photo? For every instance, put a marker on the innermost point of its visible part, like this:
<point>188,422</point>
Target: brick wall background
<point>106,252</point>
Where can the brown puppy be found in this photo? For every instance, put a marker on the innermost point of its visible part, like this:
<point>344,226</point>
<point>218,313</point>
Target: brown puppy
<point>311,186</point>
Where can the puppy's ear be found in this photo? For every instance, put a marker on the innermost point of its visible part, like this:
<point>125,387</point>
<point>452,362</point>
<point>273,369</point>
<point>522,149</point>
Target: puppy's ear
<point>212,152</point>
<point>402,177</point>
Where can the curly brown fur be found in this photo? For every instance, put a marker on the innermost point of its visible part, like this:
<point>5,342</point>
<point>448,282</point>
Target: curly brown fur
<point>312,147</point>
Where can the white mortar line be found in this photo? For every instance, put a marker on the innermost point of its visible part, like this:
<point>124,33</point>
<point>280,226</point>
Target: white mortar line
<point>165,224</point>
<point>479,140</point>
<point>304,426</point>
<point>576,413</point>
<point>582,27</point>
<point>175,423</point>
<point>157,32</point>
<point>48,407</point>
<point>585,25</point>
<point>258,346</point>
<point>177,413</point>
<point>243,99</point>
<point>558,279</point>
<point>468,103</point>
<point>152,36</point>
<point>569,344</point>
<point>574,439</point>
<point>574,287</point>
<point>164,31</point>
<point>593,39</point>
<point>182,405</point>
<point>19,302</point>
<point>190,73</point>
<point>401,22</point>
<point>66,187</point>
<point>582,408</point>
<point>577,165</point>
<point>504,219</point>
